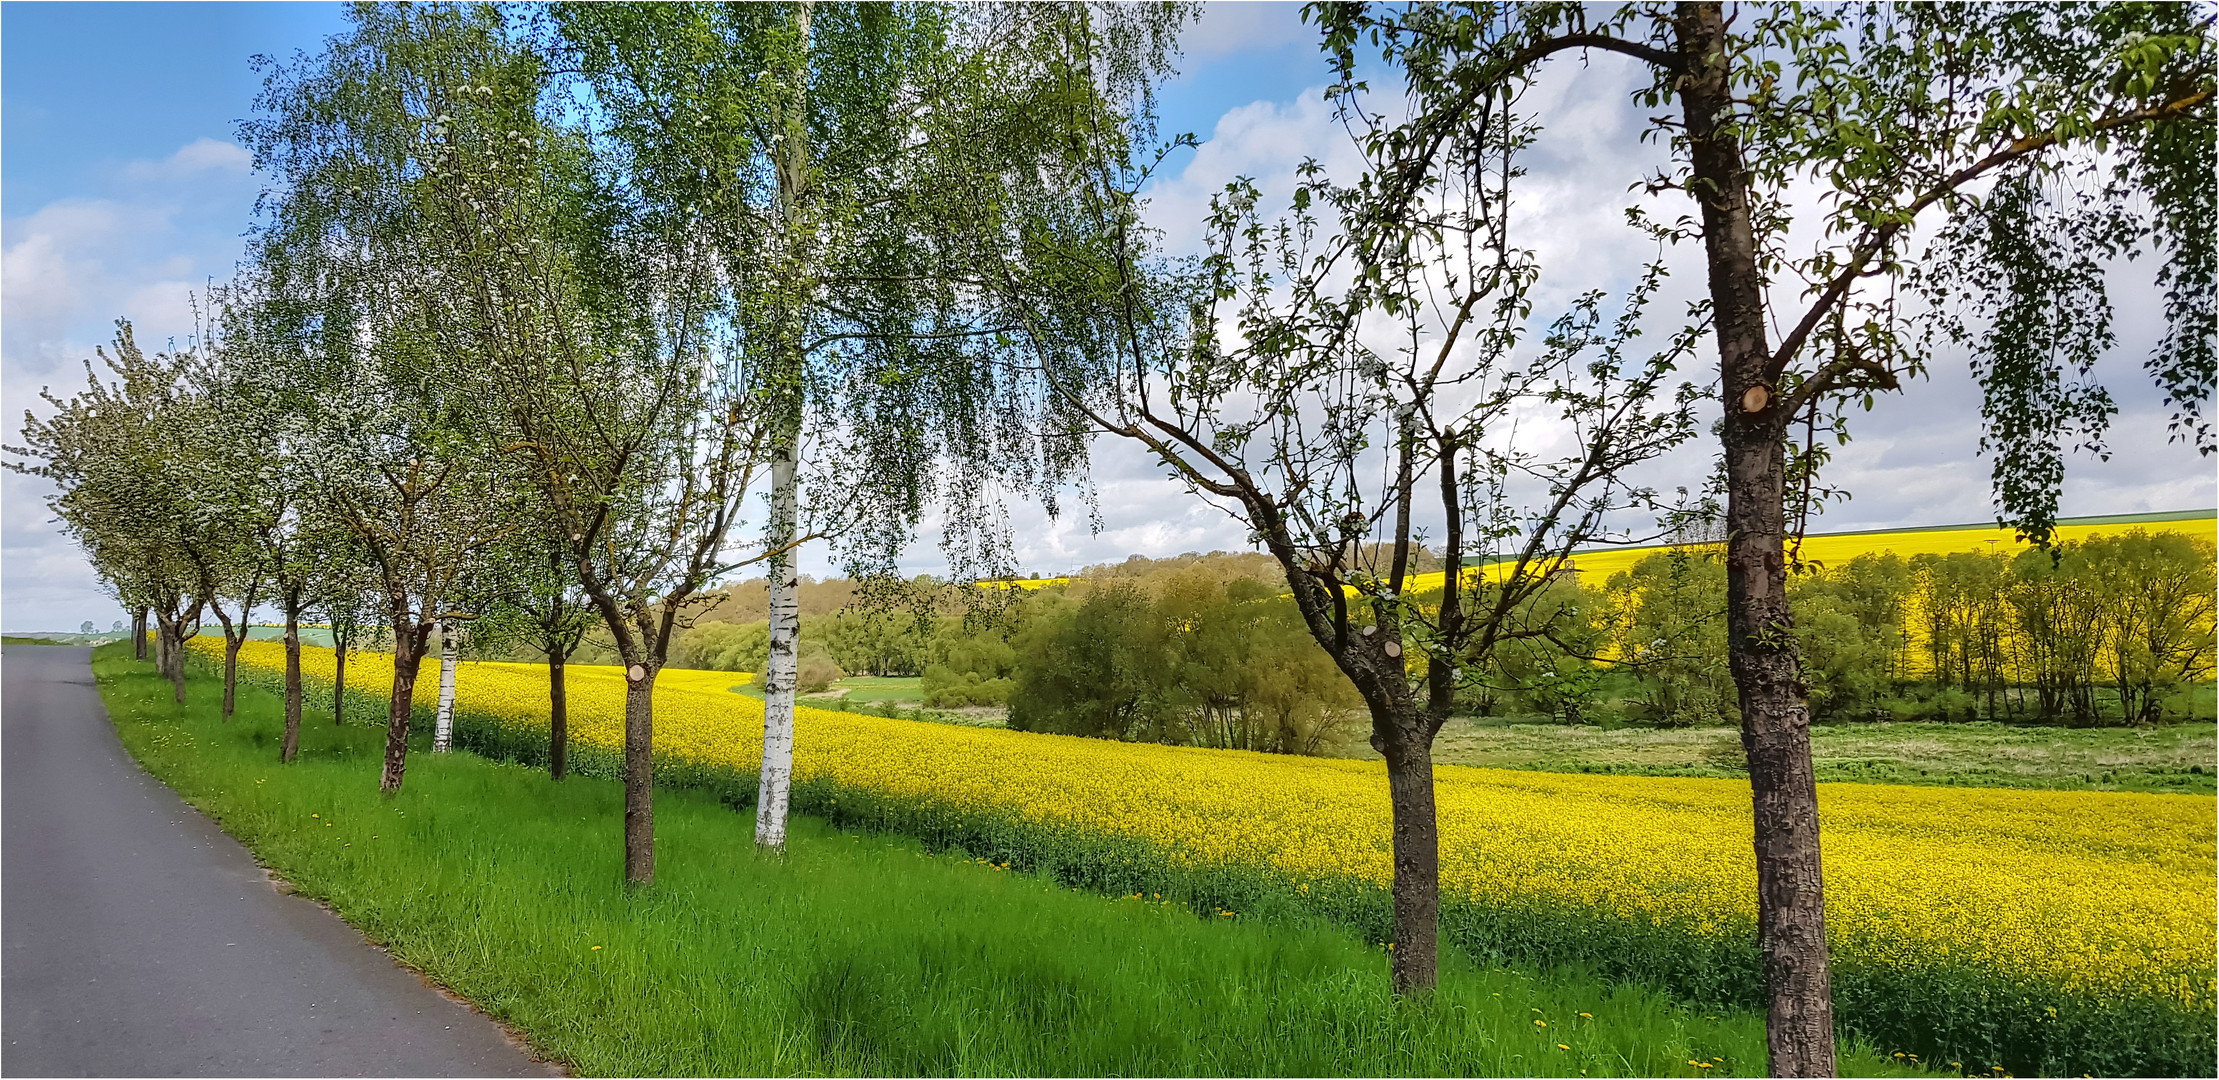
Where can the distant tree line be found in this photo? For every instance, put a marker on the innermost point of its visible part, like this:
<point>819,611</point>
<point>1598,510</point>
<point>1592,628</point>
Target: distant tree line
<point>2113,629</point>
<point>538,303</point>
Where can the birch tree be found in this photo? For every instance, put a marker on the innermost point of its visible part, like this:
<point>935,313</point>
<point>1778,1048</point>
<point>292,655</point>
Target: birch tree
<point>860,171</point>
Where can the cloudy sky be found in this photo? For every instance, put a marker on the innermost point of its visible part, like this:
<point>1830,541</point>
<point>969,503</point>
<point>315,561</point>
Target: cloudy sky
<point>122,191</point>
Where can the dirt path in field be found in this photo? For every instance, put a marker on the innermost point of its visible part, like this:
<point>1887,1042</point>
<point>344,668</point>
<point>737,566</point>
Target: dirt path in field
<point>140,940</point>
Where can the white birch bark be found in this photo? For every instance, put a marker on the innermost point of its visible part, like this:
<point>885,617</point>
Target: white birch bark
<point>443,731</point>
<point>781,667</point>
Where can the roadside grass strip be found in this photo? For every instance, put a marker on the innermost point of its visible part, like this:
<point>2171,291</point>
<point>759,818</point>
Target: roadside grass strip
<point>852,954</point>
<point>2022,931</point>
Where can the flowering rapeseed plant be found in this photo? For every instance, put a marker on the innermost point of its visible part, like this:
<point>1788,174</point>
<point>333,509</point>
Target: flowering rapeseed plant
<point>1967,898</point>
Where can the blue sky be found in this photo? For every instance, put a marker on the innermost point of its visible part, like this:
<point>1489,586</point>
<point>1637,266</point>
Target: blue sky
<point>121,191</point>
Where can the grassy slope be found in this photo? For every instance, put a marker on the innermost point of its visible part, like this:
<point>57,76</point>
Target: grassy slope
<point>2174,758</point>
<point>852,954</point>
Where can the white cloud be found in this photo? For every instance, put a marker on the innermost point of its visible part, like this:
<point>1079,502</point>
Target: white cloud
<point>194,159</point>
<point>1230,26</point>
<point>68,270</point>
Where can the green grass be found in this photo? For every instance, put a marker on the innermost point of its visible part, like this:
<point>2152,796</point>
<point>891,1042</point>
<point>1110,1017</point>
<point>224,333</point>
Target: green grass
<point>2171,758</point>
<point>852,953</point>
<point>879,688</point>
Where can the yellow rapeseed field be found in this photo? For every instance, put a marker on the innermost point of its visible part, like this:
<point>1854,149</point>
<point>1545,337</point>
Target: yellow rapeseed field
<point>2104,895</point>
<point>1835,549</point>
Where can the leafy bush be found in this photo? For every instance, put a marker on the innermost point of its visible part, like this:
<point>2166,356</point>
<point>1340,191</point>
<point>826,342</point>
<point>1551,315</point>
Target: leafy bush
<point>1205,663</point>
<point>945,689</point>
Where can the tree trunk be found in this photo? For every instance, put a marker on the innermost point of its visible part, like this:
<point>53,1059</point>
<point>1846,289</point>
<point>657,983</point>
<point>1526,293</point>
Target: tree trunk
<point>639,772</point>
<point>291,749</point>
<point>339,682</point>
<point>408,655</point>
<point>792,161</point>
<point>138,634</point>
<point>443,726</point>
<point>558,710</point>
<point>781,667</point>
<point>231,647</point>
<point>1775,726</point>
<point>1417,852</point>
<point>169,654</point>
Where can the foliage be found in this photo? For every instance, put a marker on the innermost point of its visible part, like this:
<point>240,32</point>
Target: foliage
<point>143,485</point>
<point>1198,663</point>
<point>364,292</point>
<point>2109,628</point>
<point>1670,626</point>
<point>1097,671</point>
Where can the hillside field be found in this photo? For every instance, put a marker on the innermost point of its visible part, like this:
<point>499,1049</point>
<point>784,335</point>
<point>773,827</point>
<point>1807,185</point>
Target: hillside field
<point>1643,878</point>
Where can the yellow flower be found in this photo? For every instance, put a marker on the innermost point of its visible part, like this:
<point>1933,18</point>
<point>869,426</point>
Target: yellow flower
<point>1563,1046</point>
<point>1667,852</point>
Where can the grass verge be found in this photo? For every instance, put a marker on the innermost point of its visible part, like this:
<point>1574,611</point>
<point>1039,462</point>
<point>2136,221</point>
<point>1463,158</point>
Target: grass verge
<point>851,954</point>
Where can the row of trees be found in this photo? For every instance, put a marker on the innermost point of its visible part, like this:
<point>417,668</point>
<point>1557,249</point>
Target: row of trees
<point>2109,630</point>
<point>538,303</point>
<point>582,317</point>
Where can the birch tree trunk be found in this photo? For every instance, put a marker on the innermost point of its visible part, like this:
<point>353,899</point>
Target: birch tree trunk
<point>780,667</point>
<point>443,727</point>
<point>1775,714</point>
<point>779,674</point>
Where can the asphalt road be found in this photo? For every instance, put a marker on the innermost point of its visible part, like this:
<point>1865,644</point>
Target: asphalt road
<point>139,940</point>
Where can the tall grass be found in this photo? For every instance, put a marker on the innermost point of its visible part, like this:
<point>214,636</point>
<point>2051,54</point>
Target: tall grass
<point>851,954</point>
